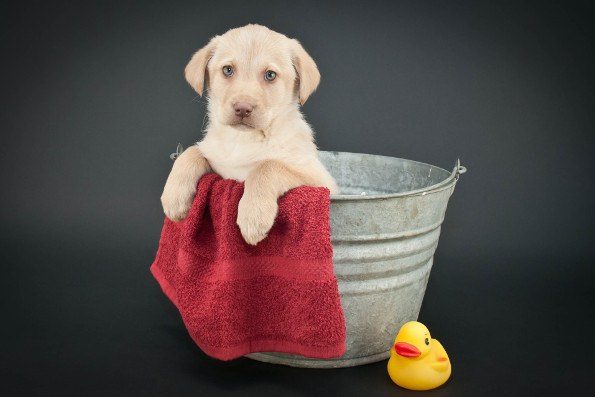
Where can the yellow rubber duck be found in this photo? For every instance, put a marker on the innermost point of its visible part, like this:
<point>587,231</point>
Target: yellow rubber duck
<point>418,362</point>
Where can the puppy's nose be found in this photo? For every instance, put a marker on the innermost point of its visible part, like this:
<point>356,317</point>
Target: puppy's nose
<point>243,109</point>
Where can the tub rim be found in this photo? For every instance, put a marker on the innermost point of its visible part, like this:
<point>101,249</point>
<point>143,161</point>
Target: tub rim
<point>437,187</point>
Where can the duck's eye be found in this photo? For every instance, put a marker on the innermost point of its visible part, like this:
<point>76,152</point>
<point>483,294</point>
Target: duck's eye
<point>427,341</point>
<point>227,70</point>
<point>269,75</point>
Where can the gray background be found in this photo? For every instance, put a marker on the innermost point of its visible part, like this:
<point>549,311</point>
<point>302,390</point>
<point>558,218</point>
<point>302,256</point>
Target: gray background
<point>94,100</point>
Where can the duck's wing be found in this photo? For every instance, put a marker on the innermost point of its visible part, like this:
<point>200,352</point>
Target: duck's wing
<point>442,362</point>
<point>440,366</point>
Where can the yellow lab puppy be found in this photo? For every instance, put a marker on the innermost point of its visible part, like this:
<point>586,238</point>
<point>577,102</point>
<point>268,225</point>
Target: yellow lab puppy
<point>257,79</point>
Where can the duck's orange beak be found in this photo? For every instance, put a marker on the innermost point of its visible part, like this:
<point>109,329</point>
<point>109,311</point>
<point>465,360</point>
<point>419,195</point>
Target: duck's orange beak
<point>406,350</point>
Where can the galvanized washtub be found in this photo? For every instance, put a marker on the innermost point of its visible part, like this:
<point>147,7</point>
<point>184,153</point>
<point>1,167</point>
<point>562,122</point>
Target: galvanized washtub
<point>385,227</point>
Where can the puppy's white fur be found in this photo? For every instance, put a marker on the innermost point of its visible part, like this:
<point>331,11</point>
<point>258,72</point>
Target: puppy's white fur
<point>273,149</point>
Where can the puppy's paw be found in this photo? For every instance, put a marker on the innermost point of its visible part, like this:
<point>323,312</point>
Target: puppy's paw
<point>177,200</point>
<point>256,218</point>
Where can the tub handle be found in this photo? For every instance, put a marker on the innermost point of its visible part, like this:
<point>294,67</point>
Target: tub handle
<point>459,169</point>
<point>176,154</point>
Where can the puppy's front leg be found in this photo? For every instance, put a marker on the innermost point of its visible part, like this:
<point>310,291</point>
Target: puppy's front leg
<point>180,187</point>
<point>258,207</point>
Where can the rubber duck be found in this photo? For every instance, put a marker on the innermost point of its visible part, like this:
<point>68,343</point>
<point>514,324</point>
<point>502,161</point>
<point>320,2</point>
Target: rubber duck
<point>418,362</point>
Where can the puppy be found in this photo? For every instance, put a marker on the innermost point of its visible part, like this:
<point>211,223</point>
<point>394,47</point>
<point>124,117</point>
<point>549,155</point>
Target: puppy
<point>257,79</point>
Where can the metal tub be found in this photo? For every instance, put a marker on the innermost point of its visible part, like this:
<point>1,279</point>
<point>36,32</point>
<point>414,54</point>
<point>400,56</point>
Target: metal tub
<point>385,227</point>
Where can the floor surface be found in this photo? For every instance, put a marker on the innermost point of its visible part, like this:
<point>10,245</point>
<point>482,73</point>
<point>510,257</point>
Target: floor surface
<point>81,318</point>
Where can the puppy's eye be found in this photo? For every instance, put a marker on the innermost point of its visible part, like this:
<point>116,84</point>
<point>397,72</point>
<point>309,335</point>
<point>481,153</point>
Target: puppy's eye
<point>269,75</point>
<point>227,70</point>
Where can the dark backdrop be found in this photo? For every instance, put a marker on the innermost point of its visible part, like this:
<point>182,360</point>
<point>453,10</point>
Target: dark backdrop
<point>94,100</point>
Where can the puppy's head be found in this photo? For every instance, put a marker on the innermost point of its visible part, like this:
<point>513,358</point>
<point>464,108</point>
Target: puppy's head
<point>254,75</point>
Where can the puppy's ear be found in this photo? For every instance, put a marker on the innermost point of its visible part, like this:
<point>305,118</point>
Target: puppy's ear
<point>196,69</point>
<point>307,71</point>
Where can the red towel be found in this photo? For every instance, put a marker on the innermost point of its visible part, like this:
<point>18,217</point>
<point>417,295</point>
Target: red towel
<point>234,298</point>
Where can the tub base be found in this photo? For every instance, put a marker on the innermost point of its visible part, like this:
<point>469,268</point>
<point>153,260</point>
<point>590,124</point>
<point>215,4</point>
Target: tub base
<point>303,362</point>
